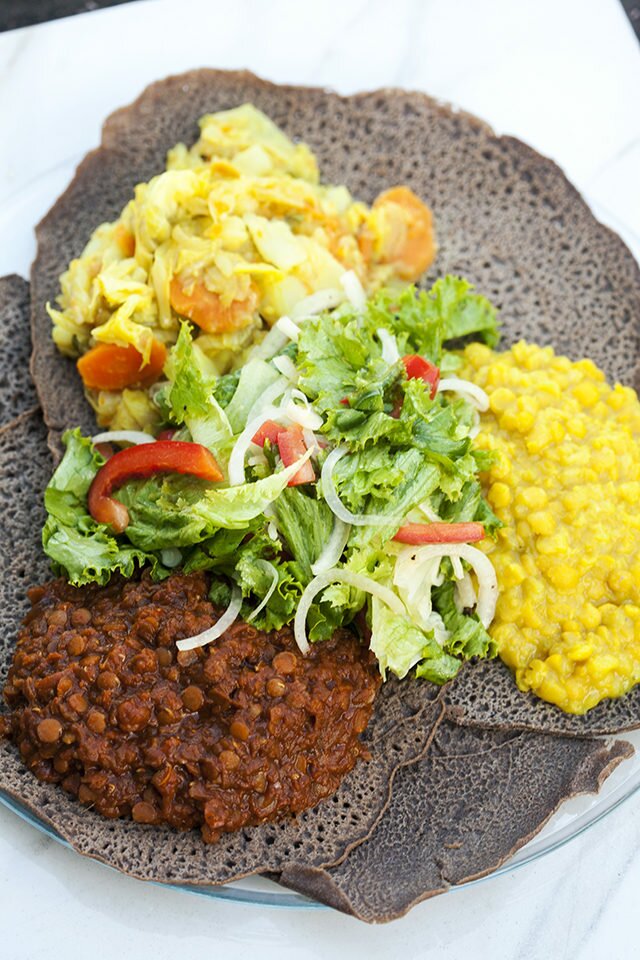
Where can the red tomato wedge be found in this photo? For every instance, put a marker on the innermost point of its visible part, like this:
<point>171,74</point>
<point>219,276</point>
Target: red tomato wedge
<point>291,446</point>
<point>269,430</point>
<point>145,460</point>
<point>418,533</point>
<point>420,369</point>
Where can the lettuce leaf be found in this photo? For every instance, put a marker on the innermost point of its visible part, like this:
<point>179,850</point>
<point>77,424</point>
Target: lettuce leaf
<point>468,637</point>
<point>190,397</point>
<point>255,377</point>
<point>306,524</point>
<point>78,546</point>
<point>399,645</point>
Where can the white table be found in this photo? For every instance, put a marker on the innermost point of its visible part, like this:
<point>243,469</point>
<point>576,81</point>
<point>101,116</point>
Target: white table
<point>563,75</point>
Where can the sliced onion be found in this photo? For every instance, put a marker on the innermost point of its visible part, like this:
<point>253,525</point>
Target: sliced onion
<point>267,397</point>
<point>354,290</point>
<point>288,327</point>
<point>487,580</point>
<point>245,440</point>
<point>426,508</point>
<point>317,302</point>
<point>470,391</point>
<point>458,570</point>
<point>333,548</point>
<point>286,367</point>
<point>312,442</point>
<point>272,530</point>
<point>303,414</point>
<point>465,592</point>
<point>475,429</point>
<point>123,436</point>
<point>274,583</point>
<point>171,556</point>
<point>357,580</point>
<point>415,576</point>
<point>272,343</point>
<point>436,623</point>
<point>336,505</point>
<point>390,352</point>
<point>226,620</point>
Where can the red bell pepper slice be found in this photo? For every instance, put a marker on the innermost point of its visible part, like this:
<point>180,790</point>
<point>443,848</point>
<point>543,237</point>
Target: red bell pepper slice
<point>291,447</point>
<point>144,460</point>
<point>417,368</point>
<point>419,533</point>
<point>269,430</point>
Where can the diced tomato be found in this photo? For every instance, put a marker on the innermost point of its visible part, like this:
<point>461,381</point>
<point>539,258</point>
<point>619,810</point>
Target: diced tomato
<point>291,447</point>
<point>418,533</point>
<point>141,461</point>
<point>345,401</point>
<point>166,434</point>
<point>269,430</point>
<point>418,368</point>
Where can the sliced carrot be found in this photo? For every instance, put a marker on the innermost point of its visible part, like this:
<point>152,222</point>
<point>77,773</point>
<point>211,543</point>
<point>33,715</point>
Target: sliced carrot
<point>417,247</point>
<point>206,309</point>
<point>125,240</point>
<point>108,366</point>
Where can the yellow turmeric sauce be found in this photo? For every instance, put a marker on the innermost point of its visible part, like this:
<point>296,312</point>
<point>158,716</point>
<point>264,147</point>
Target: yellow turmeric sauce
<point>566,485</point>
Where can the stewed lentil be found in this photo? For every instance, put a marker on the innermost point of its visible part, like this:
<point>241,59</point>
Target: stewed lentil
<point>239,732</point>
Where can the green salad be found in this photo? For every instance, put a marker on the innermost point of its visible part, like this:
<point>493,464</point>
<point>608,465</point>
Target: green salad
<point>349,490</point>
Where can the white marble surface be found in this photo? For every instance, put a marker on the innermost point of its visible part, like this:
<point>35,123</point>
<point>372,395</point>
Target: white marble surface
<point>563,75</point>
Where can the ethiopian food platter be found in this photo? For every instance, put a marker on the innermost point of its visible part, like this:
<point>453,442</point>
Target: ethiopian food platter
<point>321,526</point>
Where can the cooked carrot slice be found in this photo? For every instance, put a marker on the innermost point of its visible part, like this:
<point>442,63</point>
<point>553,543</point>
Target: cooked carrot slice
<point>414,247</point>
<point>206,309</point>
<point>108,366</point>
<point>125,240</point>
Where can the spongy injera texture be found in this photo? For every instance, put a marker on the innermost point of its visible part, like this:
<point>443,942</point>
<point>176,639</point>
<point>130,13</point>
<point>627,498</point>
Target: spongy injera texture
<point>507,218</point>
<point>485,695</point>
<point>456,814</point>
<point>17,393</point>
<point>403,722</point>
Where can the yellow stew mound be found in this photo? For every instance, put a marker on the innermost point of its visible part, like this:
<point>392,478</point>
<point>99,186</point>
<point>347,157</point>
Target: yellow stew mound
<point>567,488</point>
<point>235,233</point>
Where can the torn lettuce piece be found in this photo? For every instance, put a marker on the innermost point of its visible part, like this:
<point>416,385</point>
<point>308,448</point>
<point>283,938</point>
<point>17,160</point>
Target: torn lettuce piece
<point>84,550</point>
<point>256,376</point>
<point>399,645</point>
<point>467,636</point>
<point>190,397</point>
<point>306,523</point>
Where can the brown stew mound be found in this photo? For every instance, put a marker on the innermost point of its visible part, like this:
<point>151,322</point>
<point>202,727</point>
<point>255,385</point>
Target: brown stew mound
<point>239,732</point>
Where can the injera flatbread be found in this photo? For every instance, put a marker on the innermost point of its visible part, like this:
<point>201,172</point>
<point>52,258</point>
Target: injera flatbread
<point>485,695</point>
<point>17,392</point>
<point>474,799</point>
<point>405,722</point>
<point>507,218</point>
